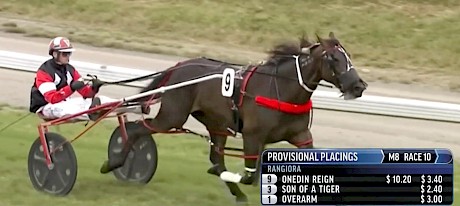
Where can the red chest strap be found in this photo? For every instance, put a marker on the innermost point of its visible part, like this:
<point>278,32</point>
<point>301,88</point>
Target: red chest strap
<point>284,106</point>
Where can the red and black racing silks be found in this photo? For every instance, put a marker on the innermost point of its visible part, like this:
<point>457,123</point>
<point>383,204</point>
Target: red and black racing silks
<point>52,85</point>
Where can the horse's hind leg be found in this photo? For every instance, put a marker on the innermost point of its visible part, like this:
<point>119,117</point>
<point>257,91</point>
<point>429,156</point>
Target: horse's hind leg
<point>172,114</point>
<point>117,160</point>
<point>218,161</point>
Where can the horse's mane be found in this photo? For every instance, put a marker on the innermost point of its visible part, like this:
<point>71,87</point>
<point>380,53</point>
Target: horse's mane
<point>284,51</point>
<point>287,49</point>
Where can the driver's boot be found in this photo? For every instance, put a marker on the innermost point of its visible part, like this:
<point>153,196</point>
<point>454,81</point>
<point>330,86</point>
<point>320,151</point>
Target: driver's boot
<point>97,101</point>
<point>94,115</point>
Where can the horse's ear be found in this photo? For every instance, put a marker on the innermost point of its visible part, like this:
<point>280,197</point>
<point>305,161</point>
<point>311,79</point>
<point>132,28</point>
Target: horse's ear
<point>304,42</point>
<point>304,35</point>
<point>320,40</point>
<point>331,35</point>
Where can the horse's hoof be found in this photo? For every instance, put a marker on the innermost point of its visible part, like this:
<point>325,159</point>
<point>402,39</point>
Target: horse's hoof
<point>242,200</point>
<point>105,168</point>
<point>213,170</point>
<point>248,179</point>
<point>255,183</point>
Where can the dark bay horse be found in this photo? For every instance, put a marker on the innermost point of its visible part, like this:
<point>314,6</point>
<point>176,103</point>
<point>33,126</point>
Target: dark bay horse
<point>271,102</point>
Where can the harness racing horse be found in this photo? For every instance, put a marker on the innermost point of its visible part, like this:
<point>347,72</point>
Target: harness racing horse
<point>271,102</point>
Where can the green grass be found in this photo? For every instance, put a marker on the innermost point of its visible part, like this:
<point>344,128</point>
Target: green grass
<point>414,35</point>
<point>181,178</point>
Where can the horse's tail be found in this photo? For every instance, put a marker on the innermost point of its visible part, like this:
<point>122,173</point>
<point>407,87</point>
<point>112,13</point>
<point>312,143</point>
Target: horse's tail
<point>156,83</point>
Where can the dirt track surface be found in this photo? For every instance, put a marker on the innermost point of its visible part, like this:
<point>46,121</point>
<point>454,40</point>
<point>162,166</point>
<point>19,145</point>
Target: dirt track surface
<point>330,129</point>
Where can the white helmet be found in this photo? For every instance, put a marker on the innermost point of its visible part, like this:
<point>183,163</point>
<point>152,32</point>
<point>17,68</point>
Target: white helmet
<point>60,44</point>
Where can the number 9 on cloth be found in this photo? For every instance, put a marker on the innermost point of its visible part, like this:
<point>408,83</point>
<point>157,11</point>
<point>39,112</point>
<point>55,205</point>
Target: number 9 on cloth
<point>228,82</point>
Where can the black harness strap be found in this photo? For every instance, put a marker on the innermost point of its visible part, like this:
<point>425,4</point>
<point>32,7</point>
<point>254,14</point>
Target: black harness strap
<point>132,79</point>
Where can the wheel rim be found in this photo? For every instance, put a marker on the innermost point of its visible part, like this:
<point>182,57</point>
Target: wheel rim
<point>58,180</point>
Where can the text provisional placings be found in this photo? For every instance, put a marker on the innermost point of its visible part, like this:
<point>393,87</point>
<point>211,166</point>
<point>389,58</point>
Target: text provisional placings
<point>357,177</point>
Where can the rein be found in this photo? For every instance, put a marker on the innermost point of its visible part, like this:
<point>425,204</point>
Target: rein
<point>183,64</point>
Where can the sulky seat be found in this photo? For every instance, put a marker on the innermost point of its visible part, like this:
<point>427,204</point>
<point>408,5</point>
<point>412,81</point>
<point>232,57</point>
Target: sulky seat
<point>45,119</point>
<point>42,117</point>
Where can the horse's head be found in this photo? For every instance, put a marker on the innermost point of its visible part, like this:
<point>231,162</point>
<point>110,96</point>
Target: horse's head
<point>336,67</point>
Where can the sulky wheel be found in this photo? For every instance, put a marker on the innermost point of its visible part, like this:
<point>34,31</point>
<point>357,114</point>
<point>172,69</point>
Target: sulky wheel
<point>60,178</point>
<point>142,160</point>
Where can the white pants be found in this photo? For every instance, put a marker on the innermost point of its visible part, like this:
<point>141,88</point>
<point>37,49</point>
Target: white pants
<point>72,105</point>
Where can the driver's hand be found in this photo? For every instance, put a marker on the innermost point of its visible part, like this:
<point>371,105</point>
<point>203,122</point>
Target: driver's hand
<point>96,84</point>
<point>76,85</point>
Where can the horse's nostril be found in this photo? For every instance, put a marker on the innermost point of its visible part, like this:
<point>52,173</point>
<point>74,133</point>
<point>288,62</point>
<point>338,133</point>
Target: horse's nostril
<point>358,90</point>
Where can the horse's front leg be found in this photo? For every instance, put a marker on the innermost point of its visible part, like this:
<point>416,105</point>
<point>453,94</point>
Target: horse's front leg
<point>303,140</point>
<point>252,149</point>
<point>218,161</point>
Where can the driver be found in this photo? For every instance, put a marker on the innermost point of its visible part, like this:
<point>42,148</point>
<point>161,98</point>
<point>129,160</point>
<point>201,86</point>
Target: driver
<point>56,80</point>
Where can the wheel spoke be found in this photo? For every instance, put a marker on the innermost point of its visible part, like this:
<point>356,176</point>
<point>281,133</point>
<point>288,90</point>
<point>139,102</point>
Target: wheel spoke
<point>39,158</point>
<point>57,180</point>
<point>61,178</point>
<point>130,165</point>
<point>44,178</point>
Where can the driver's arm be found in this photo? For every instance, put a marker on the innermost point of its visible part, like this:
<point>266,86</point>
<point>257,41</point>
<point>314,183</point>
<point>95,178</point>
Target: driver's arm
<point>47,88</point>
<point>86,91</point>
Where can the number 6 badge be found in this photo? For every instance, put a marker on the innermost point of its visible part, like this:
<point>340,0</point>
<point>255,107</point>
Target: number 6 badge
<point>228,82</point>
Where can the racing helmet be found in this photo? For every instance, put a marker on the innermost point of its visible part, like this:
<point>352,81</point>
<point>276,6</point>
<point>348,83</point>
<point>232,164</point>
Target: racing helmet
<point>60,44</point>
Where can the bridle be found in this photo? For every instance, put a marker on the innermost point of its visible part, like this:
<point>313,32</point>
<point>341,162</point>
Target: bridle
<point>342,77</point>
<point>325,55</point>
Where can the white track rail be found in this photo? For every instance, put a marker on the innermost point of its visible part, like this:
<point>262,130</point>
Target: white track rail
<point>368,104</point>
